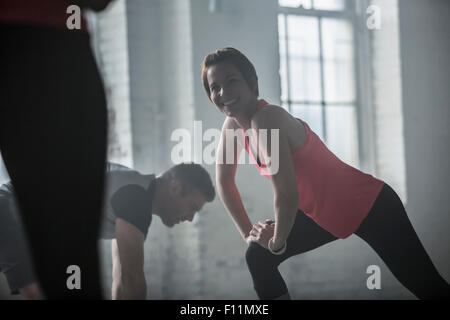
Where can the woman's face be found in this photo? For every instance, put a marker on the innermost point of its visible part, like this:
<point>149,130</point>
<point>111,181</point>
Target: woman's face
<point>229,90</point>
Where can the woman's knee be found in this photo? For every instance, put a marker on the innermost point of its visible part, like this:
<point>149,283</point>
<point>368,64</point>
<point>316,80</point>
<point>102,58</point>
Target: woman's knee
<point>258,257</point>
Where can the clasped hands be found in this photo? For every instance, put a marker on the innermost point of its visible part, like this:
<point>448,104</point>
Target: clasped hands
<point>262,232</point>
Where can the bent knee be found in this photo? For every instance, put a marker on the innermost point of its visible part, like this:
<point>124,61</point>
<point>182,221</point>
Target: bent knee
<point>257,256</point>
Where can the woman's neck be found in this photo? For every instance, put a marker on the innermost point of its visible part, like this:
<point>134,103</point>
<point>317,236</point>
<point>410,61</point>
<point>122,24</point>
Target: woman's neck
<point>244,119</point>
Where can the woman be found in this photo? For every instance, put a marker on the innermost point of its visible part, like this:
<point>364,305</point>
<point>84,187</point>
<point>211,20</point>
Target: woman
<point>317,197</point>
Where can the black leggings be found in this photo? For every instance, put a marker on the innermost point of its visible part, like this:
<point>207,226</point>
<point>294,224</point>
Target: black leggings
<point>53,142</point>
<point>386,229</point>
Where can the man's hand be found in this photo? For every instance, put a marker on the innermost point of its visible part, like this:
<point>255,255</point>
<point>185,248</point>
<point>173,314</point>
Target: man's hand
<point>262,232</point>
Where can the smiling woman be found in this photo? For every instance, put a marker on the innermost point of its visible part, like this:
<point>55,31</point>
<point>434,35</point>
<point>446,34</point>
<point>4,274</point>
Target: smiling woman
<point>317,197</point>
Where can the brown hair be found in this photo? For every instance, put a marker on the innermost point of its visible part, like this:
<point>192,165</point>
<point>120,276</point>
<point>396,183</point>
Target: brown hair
<point>192,176</point>
<point>236,58</point>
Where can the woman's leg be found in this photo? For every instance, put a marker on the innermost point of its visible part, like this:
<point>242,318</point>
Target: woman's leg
<point>305,235</point>
<point>389,232</point>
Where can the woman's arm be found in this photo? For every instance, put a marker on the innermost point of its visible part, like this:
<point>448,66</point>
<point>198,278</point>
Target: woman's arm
<point>225,177</point>
<point>282,176</point>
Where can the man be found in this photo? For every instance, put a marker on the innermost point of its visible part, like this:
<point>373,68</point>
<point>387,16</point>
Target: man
<point>131,199</point>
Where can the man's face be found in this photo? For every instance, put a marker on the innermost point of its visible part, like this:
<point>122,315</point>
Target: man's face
<point>181,207</point>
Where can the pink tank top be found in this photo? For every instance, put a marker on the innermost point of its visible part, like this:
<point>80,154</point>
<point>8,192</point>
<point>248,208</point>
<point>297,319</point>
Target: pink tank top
<point>335,195</point>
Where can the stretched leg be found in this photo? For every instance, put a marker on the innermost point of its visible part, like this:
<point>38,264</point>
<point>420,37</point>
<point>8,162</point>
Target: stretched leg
<point>389,232</point>
<point>305,235</point>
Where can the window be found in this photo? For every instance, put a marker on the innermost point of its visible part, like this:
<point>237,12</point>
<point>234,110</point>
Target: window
<point>317,70</point>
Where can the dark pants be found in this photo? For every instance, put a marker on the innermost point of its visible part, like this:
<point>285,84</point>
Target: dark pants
<point>53,142</point>
<point>386,229</point>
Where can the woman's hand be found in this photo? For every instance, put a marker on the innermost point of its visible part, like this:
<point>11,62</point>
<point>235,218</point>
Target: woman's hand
<point>261,233</point>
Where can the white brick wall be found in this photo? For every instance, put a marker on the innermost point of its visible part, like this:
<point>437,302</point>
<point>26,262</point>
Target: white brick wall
<point>425,52</point>
<point>144,36</point>
<point>109,37</point>
<point>182,266</point>
<point>387,104</point>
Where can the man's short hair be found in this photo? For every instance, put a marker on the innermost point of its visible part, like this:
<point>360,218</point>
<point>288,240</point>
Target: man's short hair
<point>192,176</point>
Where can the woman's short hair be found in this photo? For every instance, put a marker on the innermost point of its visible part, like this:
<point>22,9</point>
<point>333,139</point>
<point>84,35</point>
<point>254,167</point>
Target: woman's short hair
<point>236,58</point>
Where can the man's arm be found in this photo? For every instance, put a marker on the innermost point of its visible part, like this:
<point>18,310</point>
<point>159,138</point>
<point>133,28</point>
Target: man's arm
<point>129,280</point>
<point>116,288</point>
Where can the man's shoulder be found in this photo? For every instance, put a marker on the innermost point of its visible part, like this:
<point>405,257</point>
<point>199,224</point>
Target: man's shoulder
<point>122,176</point>
<point>131,203</point>
<point>125,177</point>
<point>113,166</point>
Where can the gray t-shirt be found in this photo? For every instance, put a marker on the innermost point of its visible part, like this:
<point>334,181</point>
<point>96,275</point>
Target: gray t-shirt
<point>128,195</point>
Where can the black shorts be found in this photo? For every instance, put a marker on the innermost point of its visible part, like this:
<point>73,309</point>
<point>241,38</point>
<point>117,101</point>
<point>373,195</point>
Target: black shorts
<point>15,261</point>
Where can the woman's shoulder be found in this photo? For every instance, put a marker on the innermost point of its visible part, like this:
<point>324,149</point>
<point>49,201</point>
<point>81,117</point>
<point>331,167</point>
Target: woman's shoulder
<point>271,115</point>
<point>272,108</point>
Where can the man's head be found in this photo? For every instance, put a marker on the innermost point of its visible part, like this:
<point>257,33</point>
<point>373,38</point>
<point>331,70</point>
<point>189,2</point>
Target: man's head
<point>186,187</point>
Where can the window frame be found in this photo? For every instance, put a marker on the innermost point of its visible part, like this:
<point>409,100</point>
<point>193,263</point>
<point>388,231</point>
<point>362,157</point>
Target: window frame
<point>353,12</point>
